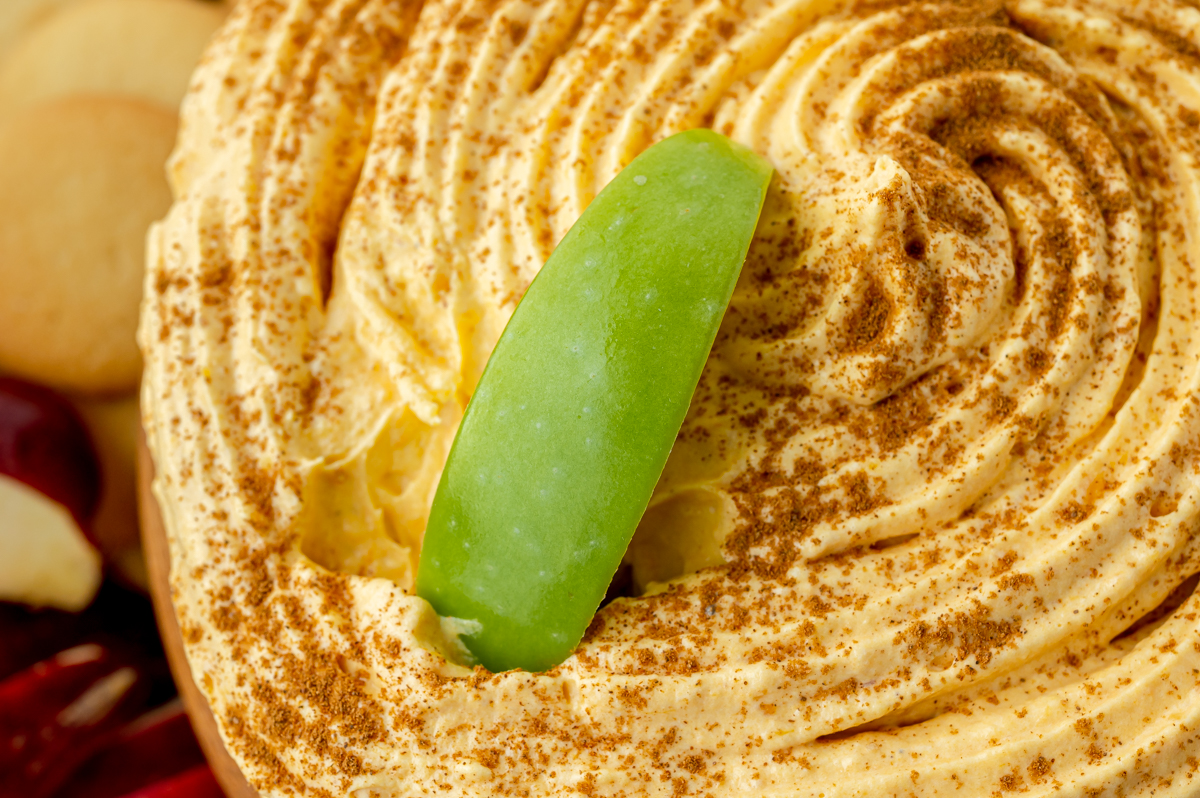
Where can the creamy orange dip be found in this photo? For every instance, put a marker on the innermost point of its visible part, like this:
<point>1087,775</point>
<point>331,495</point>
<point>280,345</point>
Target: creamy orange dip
<point>930,526</point>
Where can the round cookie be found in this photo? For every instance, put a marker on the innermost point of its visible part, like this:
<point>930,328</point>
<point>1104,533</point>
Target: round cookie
<point>142,48</point>
<point>19,16</point>
<point>81,180</point>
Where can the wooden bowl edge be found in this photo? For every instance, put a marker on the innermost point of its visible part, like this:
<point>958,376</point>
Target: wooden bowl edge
<point>158,564</point>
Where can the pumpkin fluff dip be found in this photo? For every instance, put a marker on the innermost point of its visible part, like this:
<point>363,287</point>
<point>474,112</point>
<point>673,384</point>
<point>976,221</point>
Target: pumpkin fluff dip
<point>930,525</point>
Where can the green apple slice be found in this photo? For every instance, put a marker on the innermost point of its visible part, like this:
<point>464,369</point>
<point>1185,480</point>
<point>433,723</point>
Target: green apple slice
<point>572,422</point>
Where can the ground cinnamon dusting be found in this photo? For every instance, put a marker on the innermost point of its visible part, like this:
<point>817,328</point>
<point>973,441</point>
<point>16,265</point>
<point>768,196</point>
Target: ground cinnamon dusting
<point>934,335</point>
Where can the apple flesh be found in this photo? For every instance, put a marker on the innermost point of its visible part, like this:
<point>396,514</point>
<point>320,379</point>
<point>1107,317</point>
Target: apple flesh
<point>49,490</point>
<point>582,399</point>
<point>44,558</point>
<point>54,715</point>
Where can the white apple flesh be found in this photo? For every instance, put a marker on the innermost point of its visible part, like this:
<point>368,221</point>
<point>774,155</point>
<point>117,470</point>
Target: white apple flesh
<point>49,487</point>
<point>45,560</point>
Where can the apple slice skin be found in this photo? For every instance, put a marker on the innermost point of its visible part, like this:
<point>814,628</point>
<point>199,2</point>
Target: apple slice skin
<point>572,422</point>
<point>54,715</point>
<point>49,493</point>
<point>198,782</point>
<point>154,747</point>
<point>44,444</point>
<point>30,635</point>
<point>118,618</point>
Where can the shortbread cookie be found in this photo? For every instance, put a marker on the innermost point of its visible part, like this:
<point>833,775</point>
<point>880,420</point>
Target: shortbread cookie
<point>142,48</point>
<point>81,180</point>
<point>17,17</point>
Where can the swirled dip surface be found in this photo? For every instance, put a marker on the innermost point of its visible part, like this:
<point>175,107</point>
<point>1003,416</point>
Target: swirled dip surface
<point>930,526</point>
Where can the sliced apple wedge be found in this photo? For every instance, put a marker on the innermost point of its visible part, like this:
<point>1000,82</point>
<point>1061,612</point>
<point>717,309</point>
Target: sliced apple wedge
<point>28,636</point>
<point>154,747</point>
<point>54,715</point>
<point>45,560</point>
<point>49,489</point>
<point>117,616</point>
